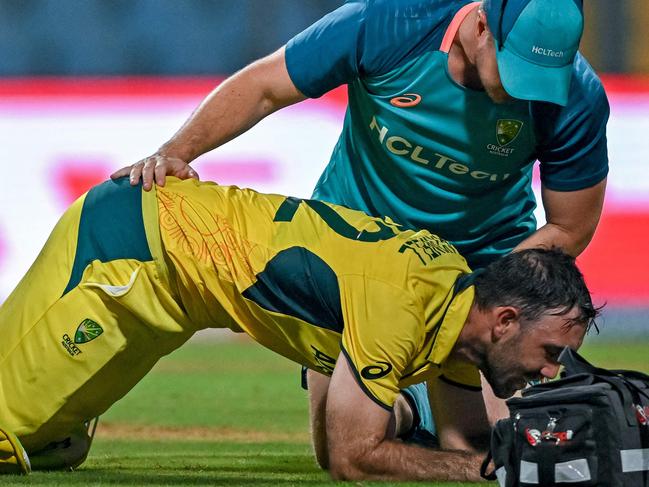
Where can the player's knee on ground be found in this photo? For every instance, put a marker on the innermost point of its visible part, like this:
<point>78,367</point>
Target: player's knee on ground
<point>13,457</point>
<point>66,454</point>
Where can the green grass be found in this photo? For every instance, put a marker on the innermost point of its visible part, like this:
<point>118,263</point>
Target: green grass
<point>219,384</point>
<point>632,355</point>
<point>231,414</point>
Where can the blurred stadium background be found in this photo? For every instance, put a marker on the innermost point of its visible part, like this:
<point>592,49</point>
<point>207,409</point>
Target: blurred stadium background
<point>88,86</point>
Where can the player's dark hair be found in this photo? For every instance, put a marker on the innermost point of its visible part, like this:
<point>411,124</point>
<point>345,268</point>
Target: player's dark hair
<point>537,282</point>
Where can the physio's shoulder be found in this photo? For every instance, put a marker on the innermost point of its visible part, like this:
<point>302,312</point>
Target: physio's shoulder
<point>586,89</point>
<point>364,38</point>
<point>571,140</point>
<point>398,30</point>
<point>586,99</point>
<point>412,11</point>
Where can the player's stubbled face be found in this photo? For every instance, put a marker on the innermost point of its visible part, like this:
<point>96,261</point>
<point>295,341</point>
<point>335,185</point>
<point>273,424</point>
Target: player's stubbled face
<point>487,68</point>
<point>530,353</point>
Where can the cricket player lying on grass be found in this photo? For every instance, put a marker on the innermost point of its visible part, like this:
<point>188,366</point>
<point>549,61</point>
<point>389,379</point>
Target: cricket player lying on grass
<point>127,276</point>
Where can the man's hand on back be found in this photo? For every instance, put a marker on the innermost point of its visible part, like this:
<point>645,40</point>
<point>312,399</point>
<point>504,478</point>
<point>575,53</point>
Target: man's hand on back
<point>155,169</point>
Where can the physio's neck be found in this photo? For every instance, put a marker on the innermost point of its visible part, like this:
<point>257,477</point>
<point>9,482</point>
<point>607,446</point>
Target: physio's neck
<point>461,56</point>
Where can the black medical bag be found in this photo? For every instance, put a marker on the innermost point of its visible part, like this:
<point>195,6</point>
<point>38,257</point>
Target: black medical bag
<point>591,427</point>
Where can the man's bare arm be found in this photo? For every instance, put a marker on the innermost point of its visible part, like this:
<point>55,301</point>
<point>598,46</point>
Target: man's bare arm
<point>318,385</point>
<point>359,447</point>
<point>400,421</point>
<point>496,408</point>
<point>572,218</point>
<point>460,416</point>
<point>233,107</point>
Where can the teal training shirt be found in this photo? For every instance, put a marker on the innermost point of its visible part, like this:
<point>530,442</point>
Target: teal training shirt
<point>429,153</point>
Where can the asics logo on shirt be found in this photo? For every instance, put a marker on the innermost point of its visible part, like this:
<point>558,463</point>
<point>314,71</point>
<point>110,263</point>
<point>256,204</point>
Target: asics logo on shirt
<point>406,100</point>
<point>400,146</point>
<point>371,372</point>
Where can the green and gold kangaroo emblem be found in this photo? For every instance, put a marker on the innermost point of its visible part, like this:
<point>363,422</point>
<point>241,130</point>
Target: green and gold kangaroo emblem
<point>507,130</point>
<point>87,331</point>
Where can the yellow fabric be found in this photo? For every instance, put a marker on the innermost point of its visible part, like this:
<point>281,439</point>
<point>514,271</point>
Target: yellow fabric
<point>48,384</point>
<point>212,247</point>
<point>13,457</point>
<point>394,292</point>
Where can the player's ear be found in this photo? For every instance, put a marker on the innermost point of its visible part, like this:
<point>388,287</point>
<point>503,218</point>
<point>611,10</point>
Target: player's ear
<point>506,321</point>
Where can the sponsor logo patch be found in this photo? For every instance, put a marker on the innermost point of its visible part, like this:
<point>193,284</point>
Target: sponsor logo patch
<point>376,371</point>
<point>543,51</point>
<point>400,146</point>
<point>406,100</point>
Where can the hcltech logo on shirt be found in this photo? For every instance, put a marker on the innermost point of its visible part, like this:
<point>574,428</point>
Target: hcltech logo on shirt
<point>402,147</point>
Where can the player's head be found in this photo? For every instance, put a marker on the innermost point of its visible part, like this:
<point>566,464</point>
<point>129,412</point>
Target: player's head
<point>535,303</point>
<point>535,43</point>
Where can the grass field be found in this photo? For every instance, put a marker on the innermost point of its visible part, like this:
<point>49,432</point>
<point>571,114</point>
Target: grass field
<point>227,413</point>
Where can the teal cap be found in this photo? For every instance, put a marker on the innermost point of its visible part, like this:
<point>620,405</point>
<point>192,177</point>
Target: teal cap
<point>536,43</point>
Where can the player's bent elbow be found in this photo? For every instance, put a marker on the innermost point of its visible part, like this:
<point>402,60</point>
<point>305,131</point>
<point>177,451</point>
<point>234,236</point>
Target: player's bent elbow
<point>338,463</point>
<point>346,466</point>
<point>344,471</point>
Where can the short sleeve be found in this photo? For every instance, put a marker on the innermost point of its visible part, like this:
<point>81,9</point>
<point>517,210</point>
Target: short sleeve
<point>325,55</point>
<point>572,146</point>
<point>365,38</point>
<point>384,330</point>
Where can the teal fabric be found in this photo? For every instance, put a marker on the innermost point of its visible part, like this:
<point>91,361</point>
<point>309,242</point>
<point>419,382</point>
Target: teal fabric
<point>536,55</point>
<point>424,431</point>
<point>296,282</point>
<point>111,227</point>
<point>434,165</point>
<point>429,153</point>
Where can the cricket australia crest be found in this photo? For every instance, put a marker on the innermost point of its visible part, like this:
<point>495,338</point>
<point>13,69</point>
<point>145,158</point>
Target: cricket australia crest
<point>507,130</point>
<point>87,331</point>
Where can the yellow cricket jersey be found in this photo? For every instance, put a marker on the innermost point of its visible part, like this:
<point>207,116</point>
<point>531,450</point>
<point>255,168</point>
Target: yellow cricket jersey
<point>310,280</point>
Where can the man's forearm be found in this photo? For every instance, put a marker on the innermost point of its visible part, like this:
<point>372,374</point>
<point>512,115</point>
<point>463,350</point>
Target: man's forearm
<point>233,107</point>
<point>572,218</point>
<point>318,385</point>
<point>359,443</point>
<point>400,420</point>
<point>394,460</point>
<point>550,235</point>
